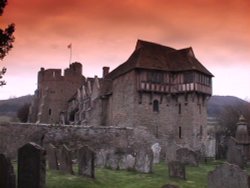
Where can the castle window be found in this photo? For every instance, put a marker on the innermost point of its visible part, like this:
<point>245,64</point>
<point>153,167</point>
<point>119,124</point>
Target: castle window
<point>50,111</point>
<point>188,77</point>
<point>179,108</point>
<point>155,77</point>
<point>201,131</point>
<point>199,106</point>
<point>179,132</point>
<point>156,106</point>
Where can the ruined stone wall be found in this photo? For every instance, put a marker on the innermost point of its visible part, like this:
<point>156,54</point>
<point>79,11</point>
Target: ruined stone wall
<point>13,136</point>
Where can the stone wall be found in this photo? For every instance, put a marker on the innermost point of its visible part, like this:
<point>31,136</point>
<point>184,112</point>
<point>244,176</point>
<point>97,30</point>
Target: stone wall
<point>180,118</point>
<point>123,100</point>
<point>13,136</point>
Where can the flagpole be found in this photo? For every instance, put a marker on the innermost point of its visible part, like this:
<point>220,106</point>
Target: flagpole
<point>70,52</point>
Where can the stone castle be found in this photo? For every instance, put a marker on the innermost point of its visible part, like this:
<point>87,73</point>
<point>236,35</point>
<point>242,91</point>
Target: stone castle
<point>158,87</point>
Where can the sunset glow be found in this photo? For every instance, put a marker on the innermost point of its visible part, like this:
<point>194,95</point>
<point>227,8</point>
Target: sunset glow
<point>104,33</point>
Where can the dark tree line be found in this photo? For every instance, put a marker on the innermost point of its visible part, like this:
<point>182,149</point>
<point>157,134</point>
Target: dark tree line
<point>6,40</point>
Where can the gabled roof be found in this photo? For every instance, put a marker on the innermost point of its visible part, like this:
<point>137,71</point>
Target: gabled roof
<point>148,55</point>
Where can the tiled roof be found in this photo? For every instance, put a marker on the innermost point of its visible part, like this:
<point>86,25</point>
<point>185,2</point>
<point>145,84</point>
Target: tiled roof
<point>148,55</point>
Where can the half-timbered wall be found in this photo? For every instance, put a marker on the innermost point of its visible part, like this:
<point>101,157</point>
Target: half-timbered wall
<point>173,82</point>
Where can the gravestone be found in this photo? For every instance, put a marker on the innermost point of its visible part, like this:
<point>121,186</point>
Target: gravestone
<point>171,148</point>
<point>177,169</point>
<point>144,160</point>
<point>130,162</point>
<point>7,175</point>
<point>31,166</point>
<point>112,161</point>
<point>234,154</point>
<point>51,152</point>
<point>187,156</point>
<point>123,162</point>
<point>86,162</point>
<point>101,156</point>
<point>156,148</point>
<point>65,160</point>
<point>228,176</point>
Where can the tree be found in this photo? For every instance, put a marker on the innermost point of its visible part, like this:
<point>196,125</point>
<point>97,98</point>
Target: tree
<point>6,40</point>
<point>23,113</point>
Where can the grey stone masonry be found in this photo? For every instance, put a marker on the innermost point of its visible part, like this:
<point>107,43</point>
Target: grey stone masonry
<point>86,161</point>
<point>65,160</point>
<point>177,170</point>
<point>228,176</point>
<point>7,175</point>
<point>52,157</point>
<point>31,166</point>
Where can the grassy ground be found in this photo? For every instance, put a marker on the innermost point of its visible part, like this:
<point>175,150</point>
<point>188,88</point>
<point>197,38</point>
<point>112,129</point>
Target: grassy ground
<point>105,178</point>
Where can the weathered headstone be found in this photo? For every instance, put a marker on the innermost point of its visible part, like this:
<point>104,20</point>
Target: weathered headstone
<point>156,148</point>
<point>171,148</point>
<point>144,160</point>
<point>7,175</point>
<point>228,176</point>
<point>86,162</point>
<point>65,160</point>
<point>101,157</point>
<point>52,157</point>
<point>177,169</point>
<point>130,162</point>
<point>31,166</point>
<point>122,164</point>
<point>187,156</point>
<point>112,160</point>
<point>234,154</point>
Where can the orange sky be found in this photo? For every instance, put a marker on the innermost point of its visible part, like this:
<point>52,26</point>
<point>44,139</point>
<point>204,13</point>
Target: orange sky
<point>104,33</point>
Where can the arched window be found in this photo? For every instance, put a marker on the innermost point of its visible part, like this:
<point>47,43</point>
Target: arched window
<point>155,106</point>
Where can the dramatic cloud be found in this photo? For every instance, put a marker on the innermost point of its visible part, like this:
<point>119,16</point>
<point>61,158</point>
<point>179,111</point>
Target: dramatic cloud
<point>105,32</point>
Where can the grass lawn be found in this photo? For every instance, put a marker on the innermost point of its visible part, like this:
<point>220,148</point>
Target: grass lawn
<point>105,178</point>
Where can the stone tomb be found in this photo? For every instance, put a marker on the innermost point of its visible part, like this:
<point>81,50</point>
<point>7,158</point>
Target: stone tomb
<point>51,152</point>
<point>31,166</point>
<point>228,176</point>
<point>86,162</point>
<point>177,169</point>
<point>65,160</point>
<point>7,175</point>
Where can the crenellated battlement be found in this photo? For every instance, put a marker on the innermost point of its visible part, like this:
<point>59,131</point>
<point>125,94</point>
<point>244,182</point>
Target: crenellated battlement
<point>54,90</point>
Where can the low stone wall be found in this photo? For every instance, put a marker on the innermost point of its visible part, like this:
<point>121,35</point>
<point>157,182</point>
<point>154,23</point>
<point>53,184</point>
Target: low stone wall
<point>15,135</point>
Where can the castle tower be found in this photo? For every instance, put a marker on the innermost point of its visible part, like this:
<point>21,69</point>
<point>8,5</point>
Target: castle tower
<point>53,92</point>
<point>163,89</point>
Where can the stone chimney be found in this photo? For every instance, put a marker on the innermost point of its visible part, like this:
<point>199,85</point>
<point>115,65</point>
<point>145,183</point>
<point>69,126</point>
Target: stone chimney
<point>105,71</point>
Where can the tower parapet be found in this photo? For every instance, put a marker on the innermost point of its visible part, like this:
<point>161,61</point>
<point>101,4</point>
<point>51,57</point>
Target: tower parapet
<point>54,91</point>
